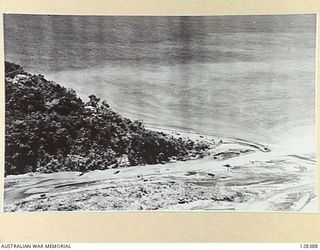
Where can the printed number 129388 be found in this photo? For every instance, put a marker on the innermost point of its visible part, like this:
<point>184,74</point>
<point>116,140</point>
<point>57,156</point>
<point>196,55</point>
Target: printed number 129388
<point>309,246</point>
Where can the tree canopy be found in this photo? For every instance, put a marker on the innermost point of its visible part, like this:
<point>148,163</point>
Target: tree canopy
<point>49,128</point>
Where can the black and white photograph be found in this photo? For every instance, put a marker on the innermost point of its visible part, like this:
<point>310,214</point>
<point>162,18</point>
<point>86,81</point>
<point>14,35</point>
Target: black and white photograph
<point>171,113</point>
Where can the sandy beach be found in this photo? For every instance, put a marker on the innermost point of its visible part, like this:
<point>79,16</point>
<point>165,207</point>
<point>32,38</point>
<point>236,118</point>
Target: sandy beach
<point>244,84</point>
<point>236,175</point>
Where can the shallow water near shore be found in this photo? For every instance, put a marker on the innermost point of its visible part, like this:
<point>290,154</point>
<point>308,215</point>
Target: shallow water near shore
<point>238,76</point>
<point>245,82</point>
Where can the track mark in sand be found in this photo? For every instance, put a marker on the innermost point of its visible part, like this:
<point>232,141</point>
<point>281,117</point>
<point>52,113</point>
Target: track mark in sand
<point>304,158</point>
<point>258,146</point>
<point>311,197</point>
<point>190,173</point>
<point>75,184</point>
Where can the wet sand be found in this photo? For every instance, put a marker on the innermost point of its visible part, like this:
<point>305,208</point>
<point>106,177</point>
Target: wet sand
<point>249,177</point>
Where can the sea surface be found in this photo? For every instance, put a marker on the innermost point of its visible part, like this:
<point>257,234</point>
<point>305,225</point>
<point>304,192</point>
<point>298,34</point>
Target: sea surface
<point>251,77</point>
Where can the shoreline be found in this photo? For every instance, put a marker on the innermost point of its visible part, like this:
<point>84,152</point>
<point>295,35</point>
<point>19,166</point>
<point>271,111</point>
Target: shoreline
<point>264,134</point>
<point>196,184</point>
<point>185,134</point>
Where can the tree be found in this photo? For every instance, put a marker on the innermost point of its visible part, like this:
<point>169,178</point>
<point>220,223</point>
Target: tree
<point>94,101</point>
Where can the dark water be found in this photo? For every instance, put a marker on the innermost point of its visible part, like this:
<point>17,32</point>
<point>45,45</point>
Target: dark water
<point>238,76</point>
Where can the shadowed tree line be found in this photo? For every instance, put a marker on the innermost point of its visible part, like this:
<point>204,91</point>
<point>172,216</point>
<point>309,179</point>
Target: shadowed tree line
<point>48,129</point>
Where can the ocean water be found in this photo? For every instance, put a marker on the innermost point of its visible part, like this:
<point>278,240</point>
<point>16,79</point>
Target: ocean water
<point>242,76</point>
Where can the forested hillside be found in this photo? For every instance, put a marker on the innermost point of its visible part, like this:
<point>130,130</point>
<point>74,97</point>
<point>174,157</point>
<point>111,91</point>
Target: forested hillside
<point>48,129</point>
